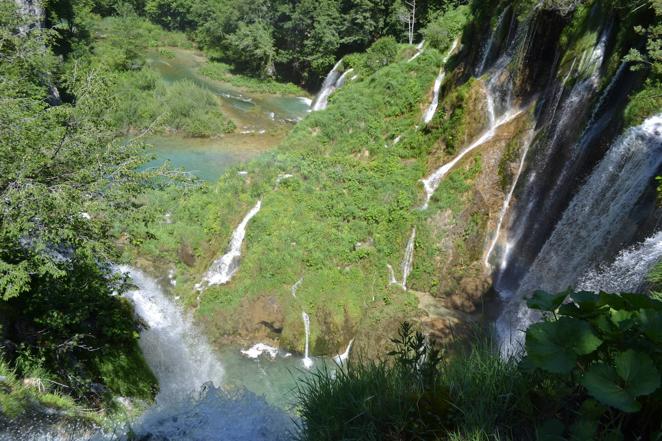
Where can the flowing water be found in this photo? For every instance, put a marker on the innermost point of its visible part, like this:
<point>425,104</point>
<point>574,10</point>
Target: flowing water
<point>507,200</point>
<point>627,272</point>
<point>328,87</point>
<point>432,109</point>
<point>604,208</point>
<point>223,268</point>
<point>190,404</point>
<point>262,121</point>
<point>307,361</point>
<point>406,265</point>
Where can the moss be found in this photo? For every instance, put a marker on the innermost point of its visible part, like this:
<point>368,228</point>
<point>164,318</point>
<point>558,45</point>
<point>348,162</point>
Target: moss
<point>644,103</point>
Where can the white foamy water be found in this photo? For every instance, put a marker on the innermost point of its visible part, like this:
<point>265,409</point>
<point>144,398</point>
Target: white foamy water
<point>431,183</point>
<point>594,218</point>
<point>344,357</point>
<point>406,265</point>
<point>328,87</point>
<point>419,51</point>
<point>432,109</point>
<point>628,271</point>
<point>179,356</point>
<point>295,287</point>
<point>506,202</point>
<point>258,349</point>
<point>307,361</point>
<point>222,269</point>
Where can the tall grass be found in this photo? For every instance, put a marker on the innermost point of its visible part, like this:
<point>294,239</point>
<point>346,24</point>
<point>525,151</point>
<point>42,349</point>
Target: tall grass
<point>416,394</point>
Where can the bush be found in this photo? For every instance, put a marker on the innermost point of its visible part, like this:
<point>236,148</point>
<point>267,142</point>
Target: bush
<point>444,27</point>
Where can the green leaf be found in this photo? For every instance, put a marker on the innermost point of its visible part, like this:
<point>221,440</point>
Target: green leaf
<point>554,346</point>
<point>543,301</point>
<point>601,381</point>
<point>651,324</point>
<point>551,430</point>
<point>584,429</point>
<point>638,371</point>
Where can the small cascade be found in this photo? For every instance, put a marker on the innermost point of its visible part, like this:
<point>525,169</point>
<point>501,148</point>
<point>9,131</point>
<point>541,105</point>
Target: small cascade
<point>307,361</point>
<point>328,87</point>
<point>341,359</point>
<point>628,271</point>
<point>295,287</point>
<point>419,51</point>
<point>487,50</point>
<point>222,269</point>
<point>432,109</point>
<point>406,265</point>
<point>506,202</point>
<point>597,218</point>
<point>431,183</point>
<point>343,78</point>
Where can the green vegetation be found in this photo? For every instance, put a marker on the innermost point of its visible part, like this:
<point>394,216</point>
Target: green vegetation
<point>143,99</point>
<point>223,72</point>
<point>345,214</point>
<point>64,179</point>
<point>592,371</point>
<point>292,42</point>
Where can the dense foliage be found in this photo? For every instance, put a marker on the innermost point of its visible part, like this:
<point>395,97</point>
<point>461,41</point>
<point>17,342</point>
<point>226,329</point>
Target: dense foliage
<point>592,371</point>
<point>293,41</point>
<point>64,179</point>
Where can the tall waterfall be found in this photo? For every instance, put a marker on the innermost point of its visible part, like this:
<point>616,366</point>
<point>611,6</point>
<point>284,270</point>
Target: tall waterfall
<point>595,219</point>
<point>487,49</point>
<point>307,362</point>
<point>190,406</point>
<point>407,263</point>
<point>432,109</point>
<point>222,269</point>
<point>179,356</point>
<point>328,87</point>
<point>506,202</point>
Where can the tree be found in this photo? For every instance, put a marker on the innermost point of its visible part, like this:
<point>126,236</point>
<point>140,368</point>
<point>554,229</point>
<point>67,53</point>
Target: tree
<point>408,16</point>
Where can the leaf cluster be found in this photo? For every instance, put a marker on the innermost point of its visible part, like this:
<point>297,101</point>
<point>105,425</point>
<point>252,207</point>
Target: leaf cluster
<point>607,348</point>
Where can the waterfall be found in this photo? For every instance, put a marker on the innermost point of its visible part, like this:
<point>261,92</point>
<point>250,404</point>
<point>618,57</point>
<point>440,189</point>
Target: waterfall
<point>295,287</point>
<point>628,271</point>
<point>341,359</point>
<point>307,362</point>
<point>432,109</point>
<point>178,355</point>
<point>189,405</point>
<point>343,78</point>
<point>431,183</point>
<point>487,50</point>
<point>328,87</point>
<point>506,202</point>
<point>221,270</point>
<point>406,265</point>
<point>419,51</point>
<point>599,212</point>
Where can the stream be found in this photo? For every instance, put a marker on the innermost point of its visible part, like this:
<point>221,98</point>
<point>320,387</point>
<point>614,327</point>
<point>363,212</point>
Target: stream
<point>262,121</point>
